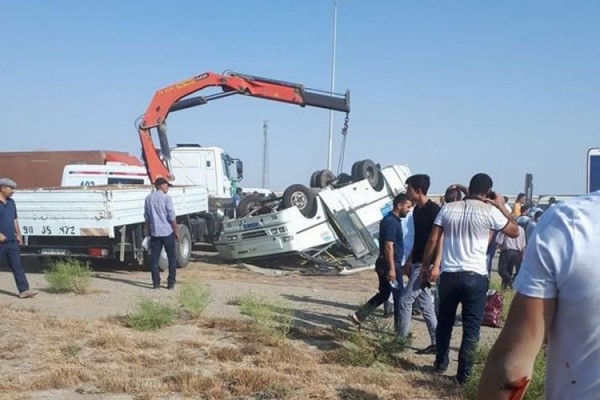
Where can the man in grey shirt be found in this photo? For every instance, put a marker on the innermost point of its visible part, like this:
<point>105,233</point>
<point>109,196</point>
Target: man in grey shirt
<point>162,227</point>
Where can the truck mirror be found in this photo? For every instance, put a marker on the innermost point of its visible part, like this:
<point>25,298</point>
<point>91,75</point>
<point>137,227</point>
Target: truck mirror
<point>239,166</point>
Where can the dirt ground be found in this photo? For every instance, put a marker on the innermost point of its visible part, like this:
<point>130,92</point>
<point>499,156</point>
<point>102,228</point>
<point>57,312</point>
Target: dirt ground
<point>319,302</point>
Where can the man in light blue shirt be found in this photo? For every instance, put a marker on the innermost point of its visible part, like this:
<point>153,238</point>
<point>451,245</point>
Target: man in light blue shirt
<point>161,224</point>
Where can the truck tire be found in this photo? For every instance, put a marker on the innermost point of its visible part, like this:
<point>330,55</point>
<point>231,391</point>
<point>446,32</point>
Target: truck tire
<point>367,170</point>
<point>247,204</point>
<point>324,178</point>
<point>313,179</point>
<point>183,250</point>
<point>302,197</point>
<point>354,168</point>
<point>183,247</point>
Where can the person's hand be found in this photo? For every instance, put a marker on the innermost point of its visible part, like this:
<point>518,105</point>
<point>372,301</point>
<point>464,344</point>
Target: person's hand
<point>177,235</point>
<point>391,276</point>
<point>434,274</point>
<point>2,238</point>
<point>498,201</point>
<point>20,240</point>
<point>407,268</point>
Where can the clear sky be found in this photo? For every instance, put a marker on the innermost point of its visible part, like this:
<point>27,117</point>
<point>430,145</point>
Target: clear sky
<point>450,88</point>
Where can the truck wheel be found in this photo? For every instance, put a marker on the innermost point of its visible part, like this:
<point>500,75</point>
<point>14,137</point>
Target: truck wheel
<point>367,170</point>
<point>313,179</point>
<point>183,247</point>
<point>380,181</point>
<point>302,197</point>
<point>324,178</point>
<point>247,204</point>
<point>355,168</point>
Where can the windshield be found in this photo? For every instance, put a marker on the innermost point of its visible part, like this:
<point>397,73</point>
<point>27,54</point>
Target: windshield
<point>594,173</point>
<point>227,167</point>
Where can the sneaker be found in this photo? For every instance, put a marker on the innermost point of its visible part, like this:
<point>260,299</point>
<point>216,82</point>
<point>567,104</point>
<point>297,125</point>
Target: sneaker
<point>171,287</point>
<point>354,319</point>
<point>156,286</point>
<point>28,293</point>
<point>432,349</point>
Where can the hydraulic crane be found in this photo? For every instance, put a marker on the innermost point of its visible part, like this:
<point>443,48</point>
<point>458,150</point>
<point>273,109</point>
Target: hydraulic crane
<point>174,98</point>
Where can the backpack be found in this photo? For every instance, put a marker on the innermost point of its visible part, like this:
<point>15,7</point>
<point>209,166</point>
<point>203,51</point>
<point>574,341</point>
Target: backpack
<point>492,312</point>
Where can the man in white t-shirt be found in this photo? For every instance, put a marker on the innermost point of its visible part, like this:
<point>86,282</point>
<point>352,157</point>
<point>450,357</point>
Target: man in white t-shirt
<point>466,227</point>
<point>557,297</point>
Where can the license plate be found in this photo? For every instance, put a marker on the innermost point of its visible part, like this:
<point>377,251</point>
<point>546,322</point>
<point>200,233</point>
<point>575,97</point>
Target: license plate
<point>251,225</point>
<point>54,252</point>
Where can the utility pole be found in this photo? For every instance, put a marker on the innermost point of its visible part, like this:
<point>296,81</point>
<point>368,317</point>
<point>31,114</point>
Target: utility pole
<point>333,48</point>
<point>265,166</point>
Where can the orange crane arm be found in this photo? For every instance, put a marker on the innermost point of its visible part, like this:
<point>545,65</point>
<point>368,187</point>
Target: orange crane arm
<point>172,99</point>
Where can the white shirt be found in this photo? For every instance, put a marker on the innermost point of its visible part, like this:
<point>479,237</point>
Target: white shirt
<point>467,225</point>
<point>508,243</point>
<point>562,262</point>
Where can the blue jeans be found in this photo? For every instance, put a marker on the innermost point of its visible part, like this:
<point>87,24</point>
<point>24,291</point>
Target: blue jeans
<point>385,289</point>
<point>10,250</point>
<point>156,245</point>
<point>470,290</point>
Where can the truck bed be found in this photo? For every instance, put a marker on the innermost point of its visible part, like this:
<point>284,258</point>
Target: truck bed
<point>95,211</point>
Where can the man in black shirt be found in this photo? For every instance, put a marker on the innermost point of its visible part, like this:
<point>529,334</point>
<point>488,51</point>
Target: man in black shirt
<point>424,214</point>
<point>389,263</point>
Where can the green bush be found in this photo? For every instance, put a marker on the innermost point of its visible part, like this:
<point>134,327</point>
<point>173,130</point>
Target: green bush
<point>150,315</point>
<point>375,344</point>
<point>69,275</point>
<point>270,318</point>
<point>194,298</point>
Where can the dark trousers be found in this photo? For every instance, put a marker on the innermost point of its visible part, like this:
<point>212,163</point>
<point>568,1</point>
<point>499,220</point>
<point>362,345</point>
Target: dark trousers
<point>470,290</point>
<point>156,245</point>
<point>509,261</point>
<point>10,251</point>
<point>385,289</point>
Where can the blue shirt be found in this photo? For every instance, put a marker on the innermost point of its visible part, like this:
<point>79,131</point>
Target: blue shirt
<point>159,213</point>
<point>390,230</point>
<point>8,215</point>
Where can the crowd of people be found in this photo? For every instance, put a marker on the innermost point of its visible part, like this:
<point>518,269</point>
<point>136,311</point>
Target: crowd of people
<point>454,245</point>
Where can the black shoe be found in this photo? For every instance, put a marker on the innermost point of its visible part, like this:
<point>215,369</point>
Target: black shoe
<point>171,287</point>
<point>156,286</point>
<point>440,368</point>
<point>432,349</point>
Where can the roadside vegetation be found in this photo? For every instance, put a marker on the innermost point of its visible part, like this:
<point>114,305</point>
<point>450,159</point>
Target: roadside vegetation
<point>69,275</point>
<point>150,314</point>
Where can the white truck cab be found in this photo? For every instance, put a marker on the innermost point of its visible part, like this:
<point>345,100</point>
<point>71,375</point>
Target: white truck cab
<point>194,165</point>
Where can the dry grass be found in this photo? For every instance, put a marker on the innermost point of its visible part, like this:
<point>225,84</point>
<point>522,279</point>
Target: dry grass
<point>218,359</point>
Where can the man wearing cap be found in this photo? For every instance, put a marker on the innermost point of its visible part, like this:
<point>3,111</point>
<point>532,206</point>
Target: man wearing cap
<point>162,227</point>
<point>10,237</point>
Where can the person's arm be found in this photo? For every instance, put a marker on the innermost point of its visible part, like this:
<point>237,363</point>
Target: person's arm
<point>511,229</point>
<point>433,243</point>
<point>460,187</point>
<point>510,362</point>
<point>389,258</point>
<point>18,232</point>
<point>171,217</point>
<point>146,218</point>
